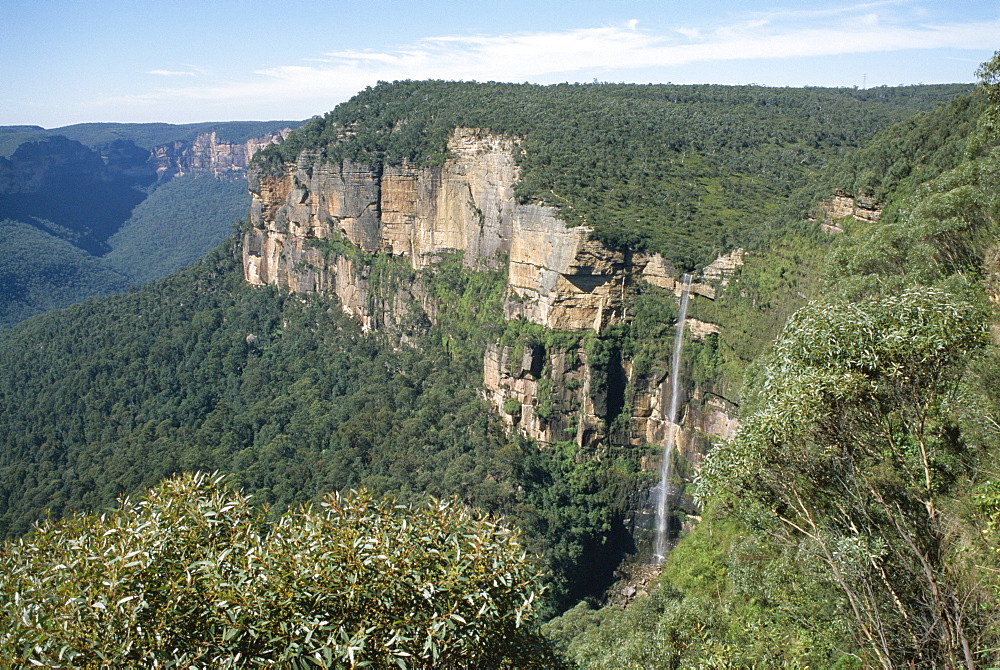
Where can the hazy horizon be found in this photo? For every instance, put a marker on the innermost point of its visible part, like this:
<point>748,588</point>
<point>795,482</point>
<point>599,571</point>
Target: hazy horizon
<point>183,62</point>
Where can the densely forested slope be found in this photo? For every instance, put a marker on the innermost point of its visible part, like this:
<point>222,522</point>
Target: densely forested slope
<point>909,153</point>
<point>178,223</point>
<point>42,272</point>
<point>175,225</point>
<point>852,522</point>
<point>790,272</point>
<point>687,171</point>
<point>65,188</point>
<point>202,372</point>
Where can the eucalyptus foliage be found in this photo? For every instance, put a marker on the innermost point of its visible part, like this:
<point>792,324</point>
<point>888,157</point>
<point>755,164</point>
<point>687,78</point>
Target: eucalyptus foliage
<point>193,575</point>
<point>847,451</point>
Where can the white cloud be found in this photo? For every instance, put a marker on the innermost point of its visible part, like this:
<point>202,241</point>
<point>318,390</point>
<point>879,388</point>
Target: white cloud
<point>816,13</point>
<point>528,55</point>
<point>579,55</point>
<point>171,73</point>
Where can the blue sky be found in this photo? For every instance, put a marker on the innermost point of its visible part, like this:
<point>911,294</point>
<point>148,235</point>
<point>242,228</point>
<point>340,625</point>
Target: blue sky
<point>72,61</point>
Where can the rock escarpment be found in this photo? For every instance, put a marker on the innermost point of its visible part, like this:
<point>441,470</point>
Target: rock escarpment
<point>52,163</point>
<point>208,154</point>
<point>842,205</point>
<point>558,395</point>
<point>57,161</point>
<point>317,226</point>
<point>558,277</point>
<point>84,194</point>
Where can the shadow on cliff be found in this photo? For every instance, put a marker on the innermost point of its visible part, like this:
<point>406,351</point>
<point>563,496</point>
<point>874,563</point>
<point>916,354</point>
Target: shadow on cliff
<point>65,189</point>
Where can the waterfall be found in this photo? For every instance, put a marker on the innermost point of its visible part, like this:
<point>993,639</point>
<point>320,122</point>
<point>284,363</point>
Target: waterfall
<point>663,502</point>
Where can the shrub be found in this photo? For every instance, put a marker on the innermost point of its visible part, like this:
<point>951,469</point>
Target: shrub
<point>194,575</point>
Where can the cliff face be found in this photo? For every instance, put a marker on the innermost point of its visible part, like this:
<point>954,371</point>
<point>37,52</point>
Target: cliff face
<point>558,277</point>
<point>704,416</point>
<point>207,154</point>
<point>557,395</point>
<point>842,205</point>
<point>55,162</point>
<point>58,162</point>
<point>316,226</point>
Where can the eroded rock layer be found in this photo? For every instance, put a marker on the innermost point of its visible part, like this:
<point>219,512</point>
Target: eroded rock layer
<point>558,277</point>
<point>318,225</point>
<point>208,154</point>
<point>842,205</point>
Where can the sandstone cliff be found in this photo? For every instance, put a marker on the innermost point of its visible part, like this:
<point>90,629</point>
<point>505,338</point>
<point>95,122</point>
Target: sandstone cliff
<point>58,162</point>
<point>208,154</point>
<point>51,163</point>
<point>843,205</point>
<point>558,277</point>
<point>317,225</point>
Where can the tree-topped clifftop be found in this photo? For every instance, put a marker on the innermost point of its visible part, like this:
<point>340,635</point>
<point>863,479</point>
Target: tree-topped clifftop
<point>687,171</point>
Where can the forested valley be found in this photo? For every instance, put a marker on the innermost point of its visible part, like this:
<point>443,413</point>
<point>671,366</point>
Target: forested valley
<point>96,208</point>
<point>851,522</point>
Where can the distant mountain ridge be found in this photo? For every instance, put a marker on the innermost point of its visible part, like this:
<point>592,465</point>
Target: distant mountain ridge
<point>145,135</point>
<point>82,185</point>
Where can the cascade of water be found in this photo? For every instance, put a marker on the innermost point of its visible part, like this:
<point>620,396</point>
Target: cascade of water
<point>663,501</point>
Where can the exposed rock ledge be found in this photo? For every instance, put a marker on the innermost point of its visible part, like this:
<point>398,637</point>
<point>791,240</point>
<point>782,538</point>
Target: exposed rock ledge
<point>558,277</point>
<point>208,154</point>
<point>843,205</point>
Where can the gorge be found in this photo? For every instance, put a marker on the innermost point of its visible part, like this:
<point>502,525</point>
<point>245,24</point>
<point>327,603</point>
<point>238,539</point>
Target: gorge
<point>93,209</point>
<point>316,227</point>
<point>474,292</point>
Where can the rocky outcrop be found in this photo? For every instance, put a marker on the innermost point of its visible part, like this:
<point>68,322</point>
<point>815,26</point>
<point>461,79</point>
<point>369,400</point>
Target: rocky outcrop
<point>546,395</point>
<point>208,154</point>
<point>303,217</point>
<point>659,272</point>
<point>465,205</point>
<point>561,279</point>
<point>556,395</point>
<point>321,226</point>
<point>420,213</point>
<point>704,417</point>
<point>843,205</point>
<point>724,267</point>
<point>699,330</point>
<point>558,276</point>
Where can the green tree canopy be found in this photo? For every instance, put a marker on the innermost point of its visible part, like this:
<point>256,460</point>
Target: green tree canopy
<point>193,575</point>
<point>847,452</point>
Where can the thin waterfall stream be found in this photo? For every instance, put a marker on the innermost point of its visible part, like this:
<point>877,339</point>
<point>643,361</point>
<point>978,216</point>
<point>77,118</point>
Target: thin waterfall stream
<point>663,502</point>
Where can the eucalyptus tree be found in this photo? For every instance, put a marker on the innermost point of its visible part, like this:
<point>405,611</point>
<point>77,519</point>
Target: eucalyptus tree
<point>849,455</point>
<point>193,575</point>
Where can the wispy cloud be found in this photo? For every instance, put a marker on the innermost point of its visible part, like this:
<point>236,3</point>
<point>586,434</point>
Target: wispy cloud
<point>821,13</point>
<point>191,71</point>
<point>584,53</point>
<point>171,73</point>
<point>528,55</point>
